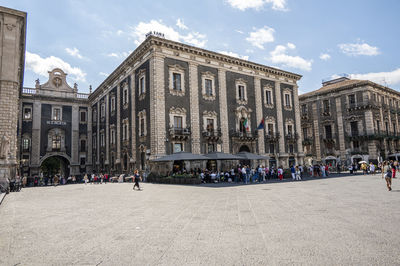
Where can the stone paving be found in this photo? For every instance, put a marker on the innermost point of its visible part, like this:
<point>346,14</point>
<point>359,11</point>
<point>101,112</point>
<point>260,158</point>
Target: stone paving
<point>335,221</point>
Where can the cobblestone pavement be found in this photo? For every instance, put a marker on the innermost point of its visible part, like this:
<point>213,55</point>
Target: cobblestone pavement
<point>347,220</point>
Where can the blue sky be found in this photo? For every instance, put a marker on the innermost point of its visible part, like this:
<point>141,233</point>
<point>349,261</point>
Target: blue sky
<point>317,39</point>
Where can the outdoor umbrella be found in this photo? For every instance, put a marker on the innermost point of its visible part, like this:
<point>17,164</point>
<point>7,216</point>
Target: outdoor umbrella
<point>222,156</point>
<point>251,156</point>
<point>181,156</point>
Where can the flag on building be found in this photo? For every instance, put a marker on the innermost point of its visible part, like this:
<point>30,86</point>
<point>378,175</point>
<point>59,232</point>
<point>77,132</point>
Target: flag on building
<point>246,125</point>
<point>261,125</point>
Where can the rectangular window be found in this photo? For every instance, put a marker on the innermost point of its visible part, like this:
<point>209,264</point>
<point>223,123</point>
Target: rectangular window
<point>142,127</point>
<point>287,100</point>
<point>141,86</point>
<point>57,114</point>
<point>305,131</point>
<point>270,129</point>
<point>268,97</point>
<point>112,104</point>
<point>177,147</point>
<point>354,128</point>
<point>271,148</point>
<point>25,144</point>
<point>210,124</point>
<point>83,145</point>
<point>290,130</point>
<point>241,92</point>
<point>352,99</point>
<point>27,113</point>
<point>209,89</point>
<point>328,131</point>
<point>83,117</point>
<point>176,81</point>
<point>178,122</point>
<point>56,142</point>
<point>326,106</point>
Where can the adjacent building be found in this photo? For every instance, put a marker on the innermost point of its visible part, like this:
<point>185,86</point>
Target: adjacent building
<point>12,56</point>
<point>349,120</point>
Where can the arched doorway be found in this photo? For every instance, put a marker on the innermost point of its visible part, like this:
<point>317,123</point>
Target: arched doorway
<point>55,165</point>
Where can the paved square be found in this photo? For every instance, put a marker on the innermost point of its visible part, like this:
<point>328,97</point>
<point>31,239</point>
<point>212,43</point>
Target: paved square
<point>347,220</point>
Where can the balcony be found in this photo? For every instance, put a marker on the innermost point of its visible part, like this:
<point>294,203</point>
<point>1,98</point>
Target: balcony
<point>244,135</point>
<point>212,135</point>
<point>179,133</point>
<point>291,137</point>
<point>272,137</point>
<point>369,104</point>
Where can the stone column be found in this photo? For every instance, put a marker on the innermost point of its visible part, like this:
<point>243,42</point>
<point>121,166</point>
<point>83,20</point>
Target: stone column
<point>157,107</point>
<point>75,140</point>
<point>316,131</point>
<point>280,125</point>
<point>223,107</point>
<point>107,105</point>
<point>89,166</point>
<point>194,108</point>
<point>118,127</point>
<point>259,114</point>
<point>300,153</point>
<point>342,140</point>
<point>369,122</point>
<point>133,116</point>
<point>36,121</point>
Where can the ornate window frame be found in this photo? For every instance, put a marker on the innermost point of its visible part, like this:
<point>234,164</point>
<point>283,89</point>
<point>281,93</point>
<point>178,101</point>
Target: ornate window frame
<point>26,107</point>
<point>177,111</point>
<point>242,112</point>
<point>286,106</point>
<point>177,69</point>
<point>142,115</point>
<point>142,87</point>
<point>53,108</point>
<point>270,89</point>
<point>210,76</point>
<point>210,115</point>
<point>241,82</point>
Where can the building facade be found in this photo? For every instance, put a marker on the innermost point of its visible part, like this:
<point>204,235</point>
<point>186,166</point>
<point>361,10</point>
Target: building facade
<point>348,121</point>
<point>54,122</point>
<point>168,97</point>
<point>12,56</point>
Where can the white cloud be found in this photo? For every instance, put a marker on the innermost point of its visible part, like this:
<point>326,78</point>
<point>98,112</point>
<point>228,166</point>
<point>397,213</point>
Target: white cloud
<point>324,57</point>
<point>354,49</point>
<point>384,78</point>
<point>119,55</point>
<point>261,36</point>
<point>257,4</point>
<point>74,52</point>
<point>139,33</point>
<point>181,25</point>
<point>244,57</point>
<point>279,56</point>
<point>103,74</point>
<point>41,66</point>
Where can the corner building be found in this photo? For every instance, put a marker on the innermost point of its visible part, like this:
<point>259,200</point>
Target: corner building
<point>349,120</point>
<point>168,97</point>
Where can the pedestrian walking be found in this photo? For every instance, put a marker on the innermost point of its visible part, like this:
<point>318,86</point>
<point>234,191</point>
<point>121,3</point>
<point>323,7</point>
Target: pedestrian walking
<point>136,179</point>
<point>387,174</point>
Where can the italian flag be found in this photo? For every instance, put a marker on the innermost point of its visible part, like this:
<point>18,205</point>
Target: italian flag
<point>246,125</point>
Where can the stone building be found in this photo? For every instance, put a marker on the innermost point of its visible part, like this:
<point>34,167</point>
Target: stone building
<point>54,122</point>
<point>350,120</point>
<point>12,54</point>
<point>168,97</point>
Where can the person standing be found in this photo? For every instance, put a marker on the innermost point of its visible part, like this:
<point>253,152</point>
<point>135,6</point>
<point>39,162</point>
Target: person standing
<point>136,179</point>
<point>387,174</point>
<point>293,172</point>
